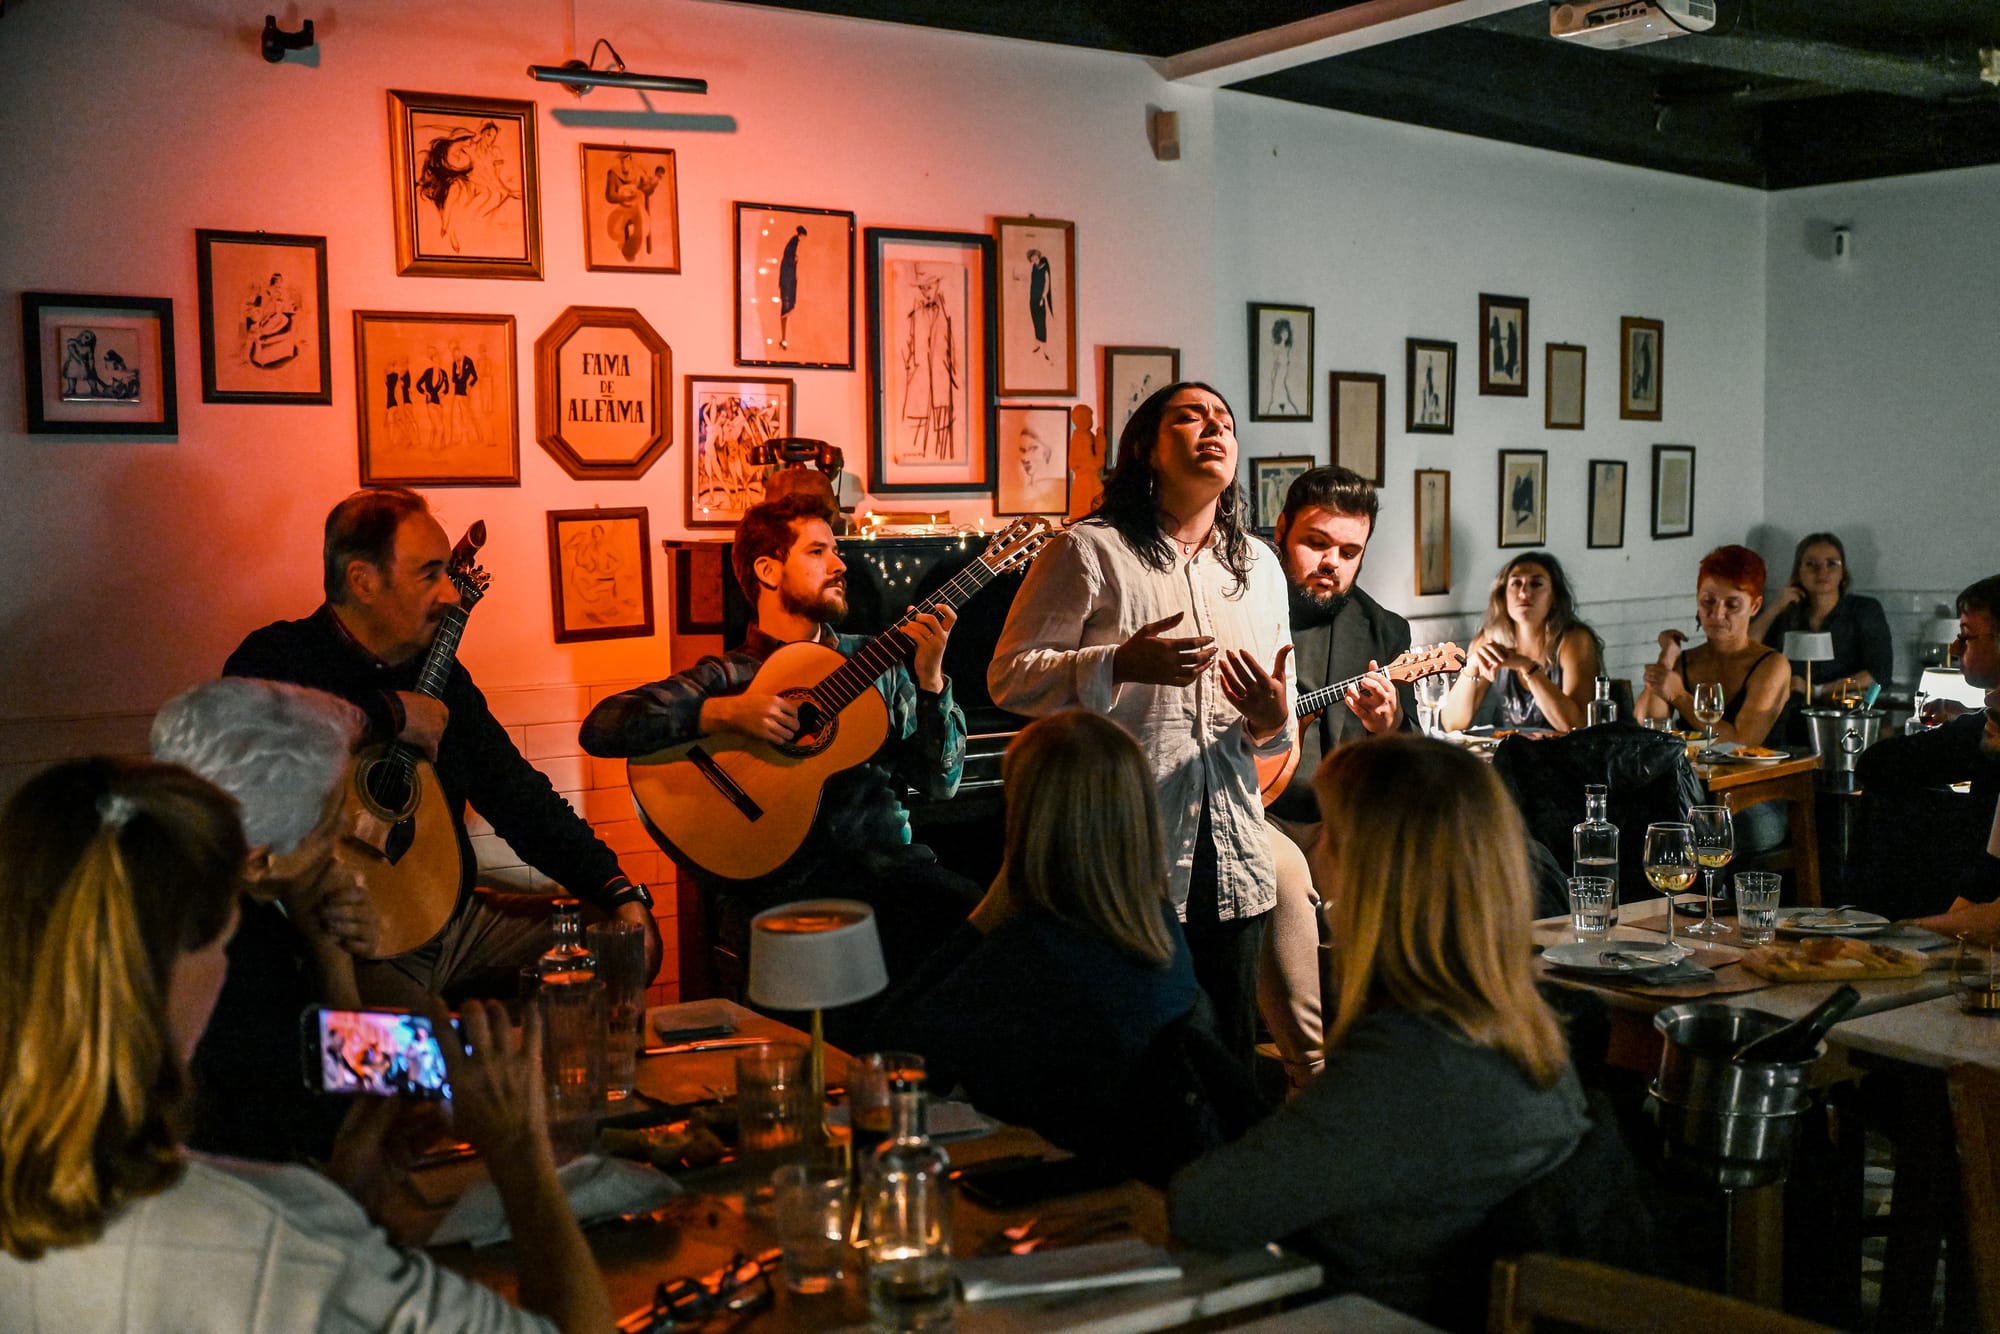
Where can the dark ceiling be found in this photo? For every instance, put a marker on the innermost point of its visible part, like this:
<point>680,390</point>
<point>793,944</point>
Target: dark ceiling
<point>1797,92</point>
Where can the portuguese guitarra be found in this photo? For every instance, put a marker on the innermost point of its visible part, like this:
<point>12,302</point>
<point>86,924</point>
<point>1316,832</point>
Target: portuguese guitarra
<point>1415,665</point>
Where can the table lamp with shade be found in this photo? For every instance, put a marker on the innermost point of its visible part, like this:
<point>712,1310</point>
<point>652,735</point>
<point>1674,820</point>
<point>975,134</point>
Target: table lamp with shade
<point>815,955</point>
<point>1809,647</point>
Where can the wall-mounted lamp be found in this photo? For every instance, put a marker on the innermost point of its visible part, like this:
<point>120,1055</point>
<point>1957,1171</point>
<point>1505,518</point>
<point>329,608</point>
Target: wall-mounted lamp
<point>580,76</point>
<point>277,41</point>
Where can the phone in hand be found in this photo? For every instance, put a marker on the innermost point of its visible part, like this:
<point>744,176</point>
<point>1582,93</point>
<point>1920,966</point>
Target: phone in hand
<point>371,1053</point>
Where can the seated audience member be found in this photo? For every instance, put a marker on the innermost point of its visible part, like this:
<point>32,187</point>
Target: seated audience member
<point>1047,998</point>
<point>1815,598</point>
<point>1533,663</point>
<point>282,752</point>
<point>119,884</point>
<point>1980,880</point>
<point>1447,1085</point>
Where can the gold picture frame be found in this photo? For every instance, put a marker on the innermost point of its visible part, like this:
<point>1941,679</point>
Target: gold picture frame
<point>467,192</point>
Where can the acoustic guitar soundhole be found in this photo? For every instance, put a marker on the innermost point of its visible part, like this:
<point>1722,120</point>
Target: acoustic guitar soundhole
<point>817,727</point>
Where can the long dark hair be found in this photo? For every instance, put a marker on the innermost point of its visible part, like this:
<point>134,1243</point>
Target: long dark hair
<point>1563,618</point>
<point>1131,504</point>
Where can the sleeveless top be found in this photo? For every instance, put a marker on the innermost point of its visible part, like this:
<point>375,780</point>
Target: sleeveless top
<point>1733,705</point>
<point>1513,704</point>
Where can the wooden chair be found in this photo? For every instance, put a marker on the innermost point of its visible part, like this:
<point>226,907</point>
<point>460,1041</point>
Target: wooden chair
<point>1975,1114</point>
<point>1581,1295</point>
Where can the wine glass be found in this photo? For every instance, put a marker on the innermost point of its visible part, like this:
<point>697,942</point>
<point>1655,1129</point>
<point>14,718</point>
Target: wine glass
<point>1431,691</point>
<point>1708,707</point>
<point>1669,863</point>
<point>1714,845</point>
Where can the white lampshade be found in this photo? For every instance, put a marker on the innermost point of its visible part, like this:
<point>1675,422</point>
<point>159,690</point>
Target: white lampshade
<point>1808,645</point>
<point>815,955</point>
<point>1949,683</point>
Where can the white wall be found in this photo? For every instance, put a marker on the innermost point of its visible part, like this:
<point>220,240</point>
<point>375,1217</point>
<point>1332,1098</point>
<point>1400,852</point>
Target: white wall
<point>1392,232</point>
<point>1883,394</point>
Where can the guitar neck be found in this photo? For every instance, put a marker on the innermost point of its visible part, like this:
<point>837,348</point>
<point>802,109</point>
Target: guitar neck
<point>880,654</point>
<point>444,652</point>
<point>1325,697</point>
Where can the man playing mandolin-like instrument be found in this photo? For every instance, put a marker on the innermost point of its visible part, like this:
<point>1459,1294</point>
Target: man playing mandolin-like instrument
<point>858,842</point>
<point>390,586</point>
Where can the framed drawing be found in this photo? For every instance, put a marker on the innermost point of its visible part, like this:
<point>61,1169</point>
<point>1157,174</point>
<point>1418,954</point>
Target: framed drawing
<point>1281,360</point>
<point>1607,504</point>
<point>727,419</point>
<point>1524,497</point>
<point>930,361</point>
<point>98,365</point>
<point>1033,472</point>
<point>631,209</point>
<point>1433,532</point>
<point>698,576</point>
<point>1642,355</point>
<point>600,574</point>
<point>1503,325</point>
<point>462,171</point>
<point>1357,421</point>
<point>1131,376</point>
<point>603,393</point>
<point>1270,479</point>
<point>794,287</point>
<point>1562,386</point>
<point>1673,490</point>
<point>1430,372</point>
<point>436,396</point>
<point>264,324</point>
<point>1037,307</point>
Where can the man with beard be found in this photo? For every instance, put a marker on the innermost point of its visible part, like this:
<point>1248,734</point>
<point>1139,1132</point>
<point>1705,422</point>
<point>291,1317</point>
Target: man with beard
<point>1338,632</point>
<point>859,847</point>
<point>387,590</point>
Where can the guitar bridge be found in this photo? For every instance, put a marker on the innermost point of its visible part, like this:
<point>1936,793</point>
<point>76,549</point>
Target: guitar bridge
<point>731,791</point>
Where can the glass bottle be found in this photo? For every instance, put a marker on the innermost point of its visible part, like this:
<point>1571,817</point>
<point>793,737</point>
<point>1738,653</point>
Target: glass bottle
<point>571,999</point>
<point>906,1206</point>
<point>1595,839</point>
<point>1602,708</point>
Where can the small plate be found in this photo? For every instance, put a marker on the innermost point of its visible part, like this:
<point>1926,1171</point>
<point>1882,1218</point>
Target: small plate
<point>1586,956</point>
<point>1729,752</point>
<point>1853,922</point>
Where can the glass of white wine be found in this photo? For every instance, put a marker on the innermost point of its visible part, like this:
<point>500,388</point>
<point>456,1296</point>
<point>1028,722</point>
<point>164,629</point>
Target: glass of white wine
<point>1714,845</point>
<point>1669,863</point>
<point>1708,707</point>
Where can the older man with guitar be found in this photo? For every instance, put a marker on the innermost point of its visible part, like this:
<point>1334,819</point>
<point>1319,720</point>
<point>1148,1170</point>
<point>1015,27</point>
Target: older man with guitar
<point>397,598</point>
<point>776,772</point>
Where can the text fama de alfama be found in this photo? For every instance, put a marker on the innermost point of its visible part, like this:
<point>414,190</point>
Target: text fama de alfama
<point>606,407</point>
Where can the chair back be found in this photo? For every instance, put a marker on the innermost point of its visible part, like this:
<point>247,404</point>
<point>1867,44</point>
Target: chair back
<point>1188,1094</point>
<point>1975,1115</point>
<point>1582,1294</point>
<point>1648,774</point>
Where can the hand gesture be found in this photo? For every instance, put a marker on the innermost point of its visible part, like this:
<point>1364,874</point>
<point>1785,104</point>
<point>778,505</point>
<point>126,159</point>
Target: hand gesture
<point>760,717</point>
<point>1489,659</point>
<point>499,1097</point>
<point>1791,595</point>
<point>1257,694</point>
<point>1147,659</point>
<point>343,917</point>
<point>1670,648</point>
<point>927,634</point>
<point>378,1141</point>
<point>424,721</point>
<point>1373,699</point>
<point>1666,683</point>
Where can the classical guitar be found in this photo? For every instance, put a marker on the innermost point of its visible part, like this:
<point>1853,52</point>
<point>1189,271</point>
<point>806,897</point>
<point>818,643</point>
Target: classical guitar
<point>398,825</point>
<point>1415,665</point>
<point>738,807</point>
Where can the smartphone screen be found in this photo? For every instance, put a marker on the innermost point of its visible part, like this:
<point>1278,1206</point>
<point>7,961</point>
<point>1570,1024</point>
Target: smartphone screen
<point>380,1053</point>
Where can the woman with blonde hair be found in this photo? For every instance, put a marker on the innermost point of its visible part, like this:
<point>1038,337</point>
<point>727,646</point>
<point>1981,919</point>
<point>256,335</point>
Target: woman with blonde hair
<point>1534,662</point>
<point>118,895</point>
<point>1045,1000</point>
<point>1447,1084</point>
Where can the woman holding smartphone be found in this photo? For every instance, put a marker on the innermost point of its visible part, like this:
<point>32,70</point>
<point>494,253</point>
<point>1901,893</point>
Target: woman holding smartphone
<point>119,884</point>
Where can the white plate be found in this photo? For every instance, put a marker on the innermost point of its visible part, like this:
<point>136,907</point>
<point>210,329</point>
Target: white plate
<point>1726,752</point>
<point>1585,956</point>
<point>1853,923</point>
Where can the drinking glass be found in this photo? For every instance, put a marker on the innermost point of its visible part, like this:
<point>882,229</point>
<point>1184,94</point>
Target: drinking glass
<point>812,1204</point>
<point>1757,906</point>
<point>1593,906</point>
<point>1714,845</point>
<point>1431,691</point>
<point>773,1098</point>
<point>1708,707</point>
<point>1669,863</point>
<point>869,1078</point>
<point>620,947</point>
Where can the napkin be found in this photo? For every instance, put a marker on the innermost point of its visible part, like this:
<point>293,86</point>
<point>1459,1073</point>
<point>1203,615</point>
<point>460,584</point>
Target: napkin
<point>1106,1264</point>
<point>689,1021</point>
<point>598,1188</point>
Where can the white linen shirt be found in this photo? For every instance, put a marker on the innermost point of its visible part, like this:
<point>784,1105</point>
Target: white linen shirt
<point>1083,597</point>
<point>246,1248</point>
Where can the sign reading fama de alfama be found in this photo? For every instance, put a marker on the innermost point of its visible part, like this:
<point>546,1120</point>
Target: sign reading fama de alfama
<point>601,383</point>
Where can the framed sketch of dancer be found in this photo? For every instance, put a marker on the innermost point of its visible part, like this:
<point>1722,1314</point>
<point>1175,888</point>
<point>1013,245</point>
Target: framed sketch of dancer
<point>631,210</point>
<point>1037,307</point>
<point>463,175</point>
<point>794,287</point>
<point>727,419</point>
<point>1033,461</point>
<point>1281,362</point>
<point>435,395</point>
<point>1503,339</point>
<point>264,324</point>
<point>600,574</point>
<point>930,361</point>
<point>1131,374</point>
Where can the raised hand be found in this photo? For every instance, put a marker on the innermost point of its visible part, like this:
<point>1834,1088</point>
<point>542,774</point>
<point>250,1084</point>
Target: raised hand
<point>1670,647</point>
<point>1148,659</point>
<point>927,633</point>
<point>1374,701</point>
<point>1257,694</point>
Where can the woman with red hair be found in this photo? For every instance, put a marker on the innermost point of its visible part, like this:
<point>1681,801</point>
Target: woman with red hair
<point>1729,591</point>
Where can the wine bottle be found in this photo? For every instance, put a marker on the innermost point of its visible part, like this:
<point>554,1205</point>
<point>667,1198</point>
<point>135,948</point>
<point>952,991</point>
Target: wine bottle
<point>1799,1040</point>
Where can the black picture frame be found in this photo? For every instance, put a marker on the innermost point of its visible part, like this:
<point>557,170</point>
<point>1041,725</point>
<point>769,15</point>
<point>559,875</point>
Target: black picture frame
<point>1276,324</point>
<point>1274,474</point>
<point>260,311</point>
<point>1515,530</point>
<point>114,413</point>
<point>1604,515</point>
<point>1503,345</point>
<point>1673,496</point>
<point>892,471</point>
<point>1642,369</point>
<point>1357,421</point>
<point>1425,412</point>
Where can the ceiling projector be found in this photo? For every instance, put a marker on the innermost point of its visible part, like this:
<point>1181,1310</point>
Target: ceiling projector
<point>1610,24</point>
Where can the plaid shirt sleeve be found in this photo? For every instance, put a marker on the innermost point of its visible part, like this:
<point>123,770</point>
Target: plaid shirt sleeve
<point>664,713</point>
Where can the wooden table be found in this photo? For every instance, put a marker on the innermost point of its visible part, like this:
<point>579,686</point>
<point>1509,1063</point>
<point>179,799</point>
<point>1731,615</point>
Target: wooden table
<point>720,1216</point>
<point>1747,785</point>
